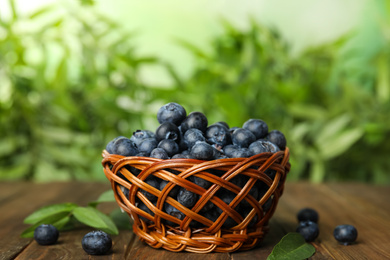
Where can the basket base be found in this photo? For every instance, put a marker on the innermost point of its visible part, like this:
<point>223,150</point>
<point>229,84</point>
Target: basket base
<point>198,241</point>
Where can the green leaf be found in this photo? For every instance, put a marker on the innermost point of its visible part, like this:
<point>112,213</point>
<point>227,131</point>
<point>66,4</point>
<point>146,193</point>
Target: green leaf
<point>58,220</point>
<point>48,211</point>
<point>94,218</point>
<point>292,246</point>
<point>107,196</point>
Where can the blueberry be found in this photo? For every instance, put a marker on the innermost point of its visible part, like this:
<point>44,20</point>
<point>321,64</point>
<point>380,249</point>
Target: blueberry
<point>145,208</point>
<point>230,149</point>
<point>277,138</point>
<point>242,153</point>
<point>147,145</point>
<point>171,210</point>
<point>263,146</point>
<point>96,243</point>
<point>227,197</point>
<point>193,135</point>
<point>125,147</point>
<point>258,127</point>
<point>171,112</point>
<point>174,191</point>
<point>195,120</point>
<point>309,230</point>
<point>202,151</point>
<point>222,123</point>
<point>187,198</point>
<point>178,156</point>
<point>110,146</point>
<point>243,137</point>
<point>168,130</point>
<point>218,134</point>
<point>200,182</point>
<point>232,129</point>
<point>159,153</point>
<point>169,145</point>
<point>140,135</point>
<point>345,234</point>
<point>154,182</point>
<point>46,234</point>
<point>307,214</point>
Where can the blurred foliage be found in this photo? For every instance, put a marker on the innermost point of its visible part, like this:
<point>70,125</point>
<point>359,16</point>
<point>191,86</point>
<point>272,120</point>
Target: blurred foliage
<point>58,113</point>
<point>69,83</point>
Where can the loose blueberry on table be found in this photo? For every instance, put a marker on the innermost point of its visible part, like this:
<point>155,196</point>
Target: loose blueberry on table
<point>345,234</point>
<point>96,243</point>
<point>309,230</point>
<point>46,234</point>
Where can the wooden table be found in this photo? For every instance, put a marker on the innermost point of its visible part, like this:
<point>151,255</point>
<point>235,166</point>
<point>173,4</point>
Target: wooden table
<point>366,207</point>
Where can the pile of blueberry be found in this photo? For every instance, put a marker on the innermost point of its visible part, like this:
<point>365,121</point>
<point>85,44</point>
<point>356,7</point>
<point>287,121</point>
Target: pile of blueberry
<point>308,228</point>
<point>190,136</point>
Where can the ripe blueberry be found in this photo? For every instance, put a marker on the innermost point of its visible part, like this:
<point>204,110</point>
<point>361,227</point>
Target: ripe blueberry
<point>202,151</point>
<point>46,234</point>
<point>125,147</point>
<point>193,135</point>
<point>159,153</point>
<point>230,149</point>
<point>243,137</point>
<point>309,230</point>
<point>147,145</point>
<point>171,112</point>
<point>140,135</point>
<point>170,146</point>
<point>154,182</point>
<point>187,198</point>
<point>242,153</point>
<point>307,214</point>
<point>194,120</point>
<point>345,234</point>
<point>168,130</point>
<point>96,243</point>
<point>277,138</point>
<point>110,146</point>
<point>218,134</point>
<point>263,146</point>
<point>258,127</point>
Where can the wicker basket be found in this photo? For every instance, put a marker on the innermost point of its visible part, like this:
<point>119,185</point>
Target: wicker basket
<point>161,230</point>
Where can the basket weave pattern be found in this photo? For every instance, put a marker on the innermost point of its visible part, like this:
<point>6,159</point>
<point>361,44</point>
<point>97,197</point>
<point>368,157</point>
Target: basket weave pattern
<point>208,236</point>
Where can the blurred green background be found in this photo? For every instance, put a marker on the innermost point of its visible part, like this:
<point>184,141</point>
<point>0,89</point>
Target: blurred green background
<point>76,74</point>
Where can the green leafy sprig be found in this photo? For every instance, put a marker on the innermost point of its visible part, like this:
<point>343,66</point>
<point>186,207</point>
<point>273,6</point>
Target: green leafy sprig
<point>66,216</point>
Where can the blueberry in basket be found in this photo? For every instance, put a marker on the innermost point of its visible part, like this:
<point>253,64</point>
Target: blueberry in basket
<point>189,136</point>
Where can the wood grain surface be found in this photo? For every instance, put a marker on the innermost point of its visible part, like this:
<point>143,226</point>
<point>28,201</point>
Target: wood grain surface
<point>366,207</point>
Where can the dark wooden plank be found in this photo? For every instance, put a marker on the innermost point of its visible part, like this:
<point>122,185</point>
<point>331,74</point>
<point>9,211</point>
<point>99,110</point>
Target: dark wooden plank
<point>138,250</point>
<point>335,209</point>
<point>69,247</point>
<point>30,198</point>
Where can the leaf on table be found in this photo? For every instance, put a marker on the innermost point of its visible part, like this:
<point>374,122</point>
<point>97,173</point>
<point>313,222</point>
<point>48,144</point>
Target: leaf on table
<point>58,220</point>
<point>94,218</point>
<point>292,247</point>
<point>107,196</point>
<point>48,211</point>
